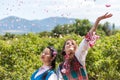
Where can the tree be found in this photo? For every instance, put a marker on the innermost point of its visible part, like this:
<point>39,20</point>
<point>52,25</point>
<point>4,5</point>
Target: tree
<point>106,28</point>
<point>82,26</point>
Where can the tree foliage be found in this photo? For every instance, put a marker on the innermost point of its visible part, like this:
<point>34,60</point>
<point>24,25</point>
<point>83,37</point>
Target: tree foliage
<point>19,56</point>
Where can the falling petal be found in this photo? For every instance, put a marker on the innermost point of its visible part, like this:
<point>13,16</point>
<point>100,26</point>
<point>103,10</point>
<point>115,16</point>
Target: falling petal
<point>108,5</point>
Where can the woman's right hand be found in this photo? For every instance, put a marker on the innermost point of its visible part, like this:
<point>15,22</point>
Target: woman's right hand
<point>107,15</point>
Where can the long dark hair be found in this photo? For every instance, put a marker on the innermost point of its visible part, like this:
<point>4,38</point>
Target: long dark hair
<point>53,53</point>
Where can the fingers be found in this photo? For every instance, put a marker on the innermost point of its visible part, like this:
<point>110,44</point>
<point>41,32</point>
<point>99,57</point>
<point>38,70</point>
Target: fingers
<point>108,15</point>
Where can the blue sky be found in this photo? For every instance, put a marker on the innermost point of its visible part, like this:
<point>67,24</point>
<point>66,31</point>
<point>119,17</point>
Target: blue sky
<point>40,9</point>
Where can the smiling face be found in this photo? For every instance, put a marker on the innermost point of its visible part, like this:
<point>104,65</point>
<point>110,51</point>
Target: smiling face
<point>70,48</point>
<point>46,57</point>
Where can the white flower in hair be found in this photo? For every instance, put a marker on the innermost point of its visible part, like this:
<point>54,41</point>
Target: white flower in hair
<point>54,53</point>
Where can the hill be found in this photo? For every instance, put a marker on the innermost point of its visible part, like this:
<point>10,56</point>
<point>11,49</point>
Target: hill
<point>15,24</point>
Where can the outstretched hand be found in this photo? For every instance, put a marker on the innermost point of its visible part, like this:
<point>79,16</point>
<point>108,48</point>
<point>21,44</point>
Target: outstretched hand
<point>107,15</point>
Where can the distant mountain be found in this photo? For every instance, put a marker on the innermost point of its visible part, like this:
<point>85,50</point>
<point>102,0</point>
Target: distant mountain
<point>14,24</point>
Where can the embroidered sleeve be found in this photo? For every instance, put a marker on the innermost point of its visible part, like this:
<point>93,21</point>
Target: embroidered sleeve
<point>85,44</point>
<point>91,38</point>
<point>82,51</point>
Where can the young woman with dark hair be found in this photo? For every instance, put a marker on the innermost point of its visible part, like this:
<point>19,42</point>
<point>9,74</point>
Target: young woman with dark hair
<point>46,72</point>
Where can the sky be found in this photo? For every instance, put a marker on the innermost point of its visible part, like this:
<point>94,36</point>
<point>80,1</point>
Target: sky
<point>80,9</point>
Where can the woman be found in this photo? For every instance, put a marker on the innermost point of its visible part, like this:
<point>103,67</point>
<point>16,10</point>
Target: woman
<point>73,66</point>
<point>46,72</point>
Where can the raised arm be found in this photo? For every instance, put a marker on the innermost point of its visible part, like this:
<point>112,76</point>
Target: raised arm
<point>107,15</point>
<point>89,40</point>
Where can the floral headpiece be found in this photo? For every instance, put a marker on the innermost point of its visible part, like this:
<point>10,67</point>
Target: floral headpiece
<point>52,50</point>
